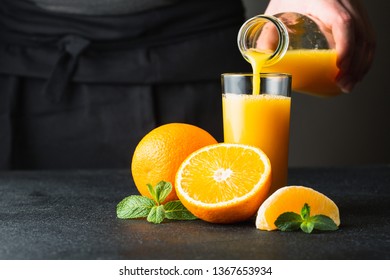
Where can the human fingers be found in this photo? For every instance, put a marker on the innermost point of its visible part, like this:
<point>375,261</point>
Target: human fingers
<point>343,30</point>
<point>362,47</point>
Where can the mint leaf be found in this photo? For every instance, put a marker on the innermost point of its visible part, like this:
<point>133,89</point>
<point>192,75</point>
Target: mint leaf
<point>307,226</point>
<point>322,222</point>
<point>288,221</point>
<point>156,214</point>
<point>162,191</point>
<point>175,210</point>
<point>152,192</point>
<point>134,206</point>
<point>305,211</point>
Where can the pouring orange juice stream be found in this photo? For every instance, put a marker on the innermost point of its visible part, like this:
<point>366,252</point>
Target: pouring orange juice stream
<point>257,60</point>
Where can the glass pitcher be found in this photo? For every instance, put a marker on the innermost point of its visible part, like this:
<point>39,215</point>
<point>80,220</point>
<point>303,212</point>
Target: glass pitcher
<point>298,44</point>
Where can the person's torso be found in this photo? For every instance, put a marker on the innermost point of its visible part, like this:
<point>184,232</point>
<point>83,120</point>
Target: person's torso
<point>150,44</point>
<point>101,7</point>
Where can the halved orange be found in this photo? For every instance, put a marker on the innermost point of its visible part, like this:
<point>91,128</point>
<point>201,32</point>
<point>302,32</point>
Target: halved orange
<point>292,199</point>
<point>224,183</point>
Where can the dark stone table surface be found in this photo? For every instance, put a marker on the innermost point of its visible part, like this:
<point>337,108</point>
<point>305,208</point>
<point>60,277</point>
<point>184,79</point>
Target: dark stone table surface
<point>71,215</point>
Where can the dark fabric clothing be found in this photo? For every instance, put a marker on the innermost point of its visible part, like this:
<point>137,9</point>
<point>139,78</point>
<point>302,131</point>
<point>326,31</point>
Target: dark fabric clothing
<point>167,25</point>
<point>80,92</point>
<point>101,7</point>
<point>96,125</point>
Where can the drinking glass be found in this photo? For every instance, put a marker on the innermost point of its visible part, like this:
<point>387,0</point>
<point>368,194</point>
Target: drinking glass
<point>261,120</point>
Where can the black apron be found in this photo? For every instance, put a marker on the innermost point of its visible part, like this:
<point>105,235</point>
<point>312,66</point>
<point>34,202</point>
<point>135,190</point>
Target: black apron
<point>81,91</point>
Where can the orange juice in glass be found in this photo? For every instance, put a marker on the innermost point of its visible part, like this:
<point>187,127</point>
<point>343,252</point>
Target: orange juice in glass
<point>261,120</point>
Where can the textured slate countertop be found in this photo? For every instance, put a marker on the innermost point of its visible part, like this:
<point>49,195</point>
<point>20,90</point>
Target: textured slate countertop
<point>71,215</point>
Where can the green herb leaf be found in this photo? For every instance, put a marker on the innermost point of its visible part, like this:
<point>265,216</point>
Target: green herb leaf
<point>288,221</point>
<point>307,226</point>
<point>175,210</point>
<point>156,214</point>
<point>162,190</point>
<point>134,206</point>
<point>305,211</point>
<point>152,192</point>
<point>322,222</point>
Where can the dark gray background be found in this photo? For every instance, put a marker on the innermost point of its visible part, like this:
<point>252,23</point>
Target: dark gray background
<point>349,129</point>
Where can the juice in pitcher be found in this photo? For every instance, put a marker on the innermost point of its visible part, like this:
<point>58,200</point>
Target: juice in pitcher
<point>313,71</point>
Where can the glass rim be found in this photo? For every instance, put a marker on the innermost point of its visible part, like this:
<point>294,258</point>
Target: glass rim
<point>265,74</point>
<point>274,83</point>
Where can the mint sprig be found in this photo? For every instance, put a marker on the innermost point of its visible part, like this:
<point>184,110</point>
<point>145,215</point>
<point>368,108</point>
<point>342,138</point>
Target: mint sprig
<point>290,221</point>
<point>137,206</point>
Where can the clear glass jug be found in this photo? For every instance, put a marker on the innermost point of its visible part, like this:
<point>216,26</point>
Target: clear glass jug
<point>297,44</point>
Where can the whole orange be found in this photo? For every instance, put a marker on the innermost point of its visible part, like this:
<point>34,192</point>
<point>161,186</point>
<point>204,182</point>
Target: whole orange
<point>159,154</point>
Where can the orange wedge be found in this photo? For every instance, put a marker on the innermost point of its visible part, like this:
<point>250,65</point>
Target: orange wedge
<point>224,183</point>
<point>292,199</point>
